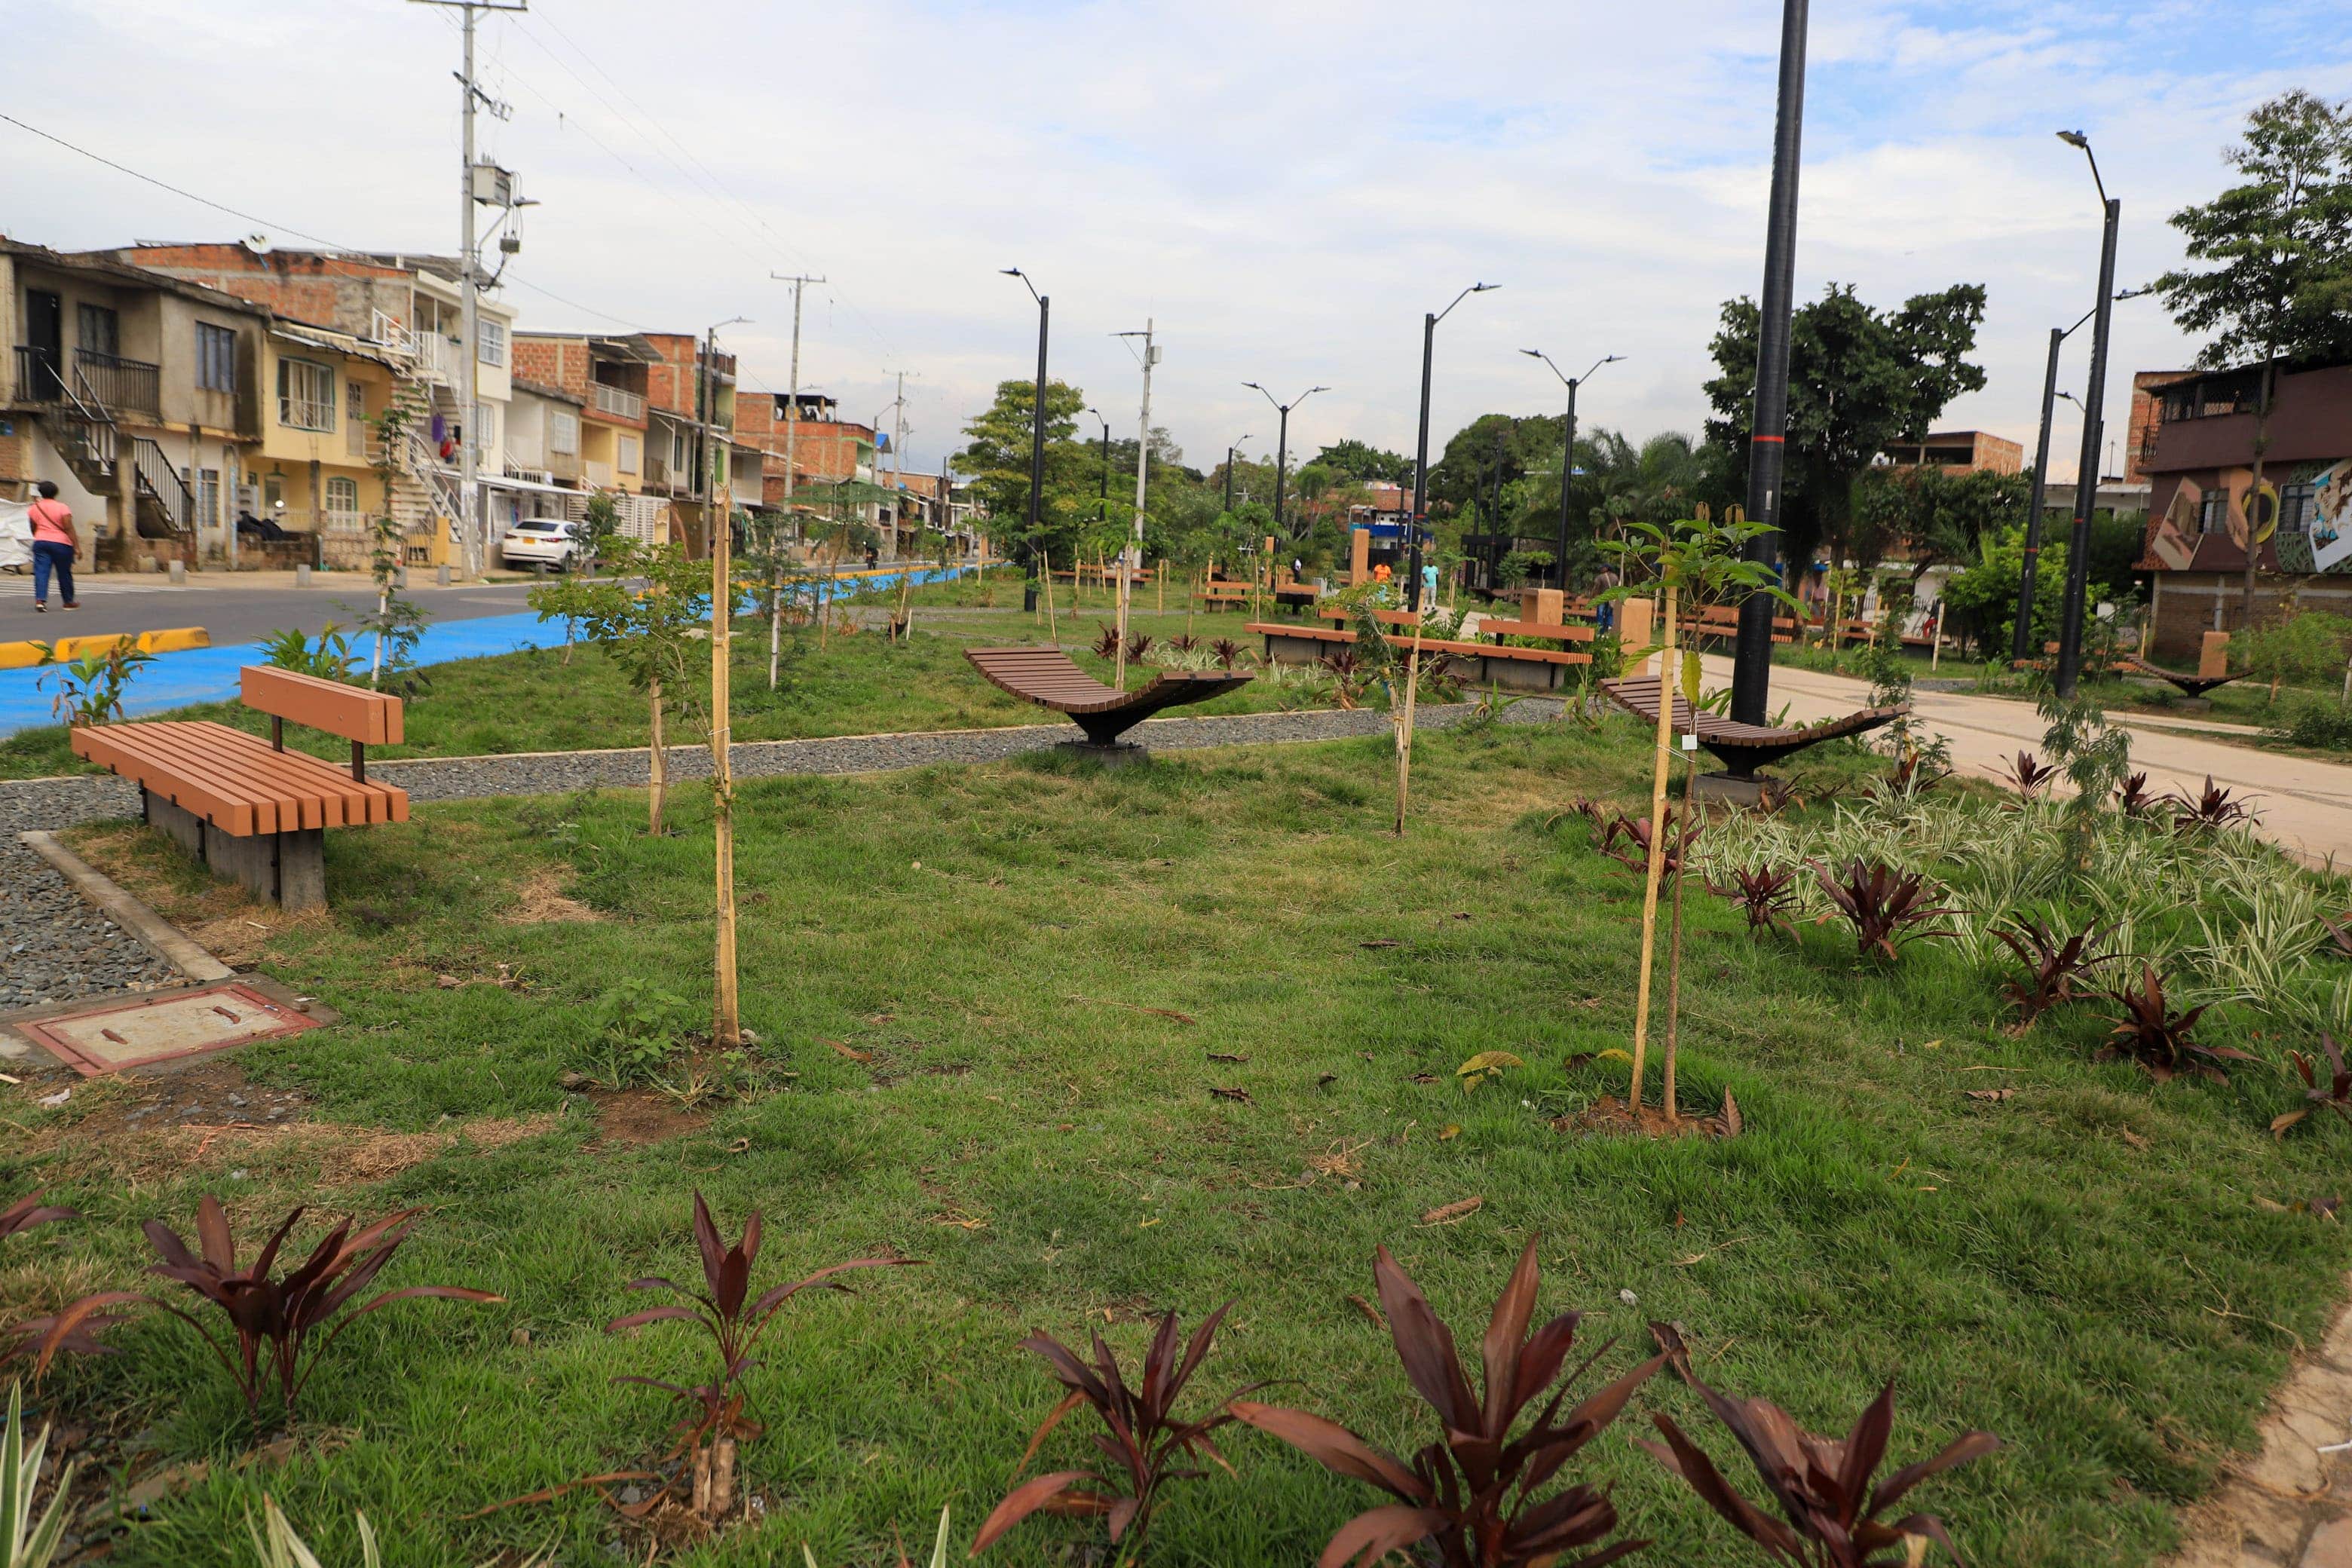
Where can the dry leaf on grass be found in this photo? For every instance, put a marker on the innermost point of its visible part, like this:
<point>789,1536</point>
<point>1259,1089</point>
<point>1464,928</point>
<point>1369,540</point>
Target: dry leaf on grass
<point>1381,942</point>
<point>1226,1057</point>
<point>1369,1312</point>
<point>1450,1131</point>
<point>1451,1213</point>
<point>1990,1093</point>
<point>1239,1096</point>
<point>852,1052</point>
<point>2134,1139</point>
<point>1132,1008</point>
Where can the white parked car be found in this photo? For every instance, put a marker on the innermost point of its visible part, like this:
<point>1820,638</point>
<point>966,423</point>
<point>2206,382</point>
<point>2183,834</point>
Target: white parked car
<point>540,541</point>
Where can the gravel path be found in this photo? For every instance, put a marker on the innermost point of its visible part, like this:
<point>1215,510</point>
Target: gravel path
<point>54,945</point>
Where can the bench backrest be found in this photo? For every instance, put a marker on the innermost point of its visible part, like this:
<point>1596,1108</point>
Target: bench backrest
<point>370,717</point>
<point>1551,631</point>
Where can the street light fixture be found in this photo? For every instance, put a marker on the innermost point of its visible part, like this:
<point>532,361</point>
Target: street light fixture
<point>1567,447</point>
<point>1230,450</point>
<point>2020,635</point>
<point>2086,473</point>
<point>1036,447</point>
<point>1421,452</point>
<point>1102,490</point>
<point>1282,442</point>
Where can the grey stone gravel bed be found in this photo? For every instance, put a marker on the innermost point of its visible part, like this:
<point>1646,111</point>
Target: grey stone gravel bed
<point>54,945</point>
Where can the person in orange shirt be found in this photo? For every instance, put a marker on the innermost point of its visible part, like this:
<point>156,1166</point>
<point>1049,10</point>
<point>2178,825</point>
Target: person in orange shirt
<point>1380,572</point>
<point>54,543</point>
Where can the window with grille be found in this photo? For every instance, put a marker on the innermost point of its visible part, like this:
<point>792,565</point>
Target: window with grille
<point>2295,504</point>
<point>101,329</point>
<point>490,342</point>
<point>215,358</point>
<point>627,460</point>
<point>2213,512</point>
<point>563,434</point>
<point>343,495</point>
<point>306,395</point>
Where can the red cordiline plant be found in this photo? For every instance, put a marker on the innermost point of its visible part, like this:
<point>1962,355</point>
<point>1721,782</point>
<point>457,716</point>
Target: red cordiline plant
<point>1143,1436</point>
<point>2149,1032</point>
<point>274,1339</point>
<point>1474,1494</point>
<point>1829,1509</point>
<point>1762,893</point>
<point>2029,776</point>
<point>22,1215</point>
<point>2052,965</point>
<point>1887,906</point>
<point>732,1316</point>
<point>2336,1095</point>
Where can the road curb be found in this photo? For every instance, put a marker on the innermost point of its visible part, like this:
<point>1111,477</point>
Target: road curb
<point>161,937</point>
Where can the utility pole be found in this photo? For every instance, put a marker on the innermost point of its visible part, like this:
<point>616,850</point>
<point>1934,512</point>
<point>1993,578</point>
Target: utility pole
<point>1132,552</point>
<point>1768,437</point>
<point>898,463</point>
<point>1036,448</point>
<point>2086,471</point>
<point>469,263</point>
<point>792,519</point>
<point>1229,472</point>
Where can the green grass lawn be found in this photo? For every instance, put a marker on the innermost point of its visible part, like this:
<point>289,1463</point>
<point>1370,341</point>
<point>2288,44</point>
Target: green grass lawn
<point>957,966</point>
<point>860,684</point>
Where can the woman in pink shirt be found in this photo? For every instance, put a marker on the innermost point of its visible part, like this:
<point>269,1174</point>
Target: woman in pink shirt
<point>53,548</point>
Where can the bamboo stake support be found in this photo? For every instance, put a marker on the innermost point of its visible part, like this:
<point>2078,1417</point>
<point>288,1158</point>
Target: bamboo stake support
<point>659,778</point>
<point>1657,841</point>
<point>1053,627</point>
<point>1404,730</point>
<point>727,1024</point>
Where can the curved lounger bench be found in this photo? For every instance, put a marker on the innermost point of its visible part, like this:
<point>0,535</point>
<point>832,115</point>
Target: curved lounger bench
<point>2189,685</point>
<point>1744,748</point>
<point>1050,677</point>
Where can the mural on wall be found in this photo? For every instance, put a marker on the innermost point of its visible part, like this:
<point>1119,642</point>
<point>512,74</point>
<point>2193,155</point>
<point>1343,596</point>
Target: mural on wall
<point>2173,541</point>
<point>2323,542</point>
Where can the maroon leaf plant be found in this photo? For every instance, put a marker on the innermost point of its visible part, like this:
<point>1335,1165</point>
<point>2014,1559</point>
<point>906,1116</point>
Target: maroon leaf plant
<point>1829,1509</point>
<point>2210,809</point>
<point>732,1319</point>
<point>2160,1040</point>
<point>2052,966</point>
<point>2335,1095</point>
<point>1105,641</point>
<point>1475,1493</point>
<point>1762,893</point>
<point>22,1215</point>
<point>1143,1436</point>
<point>1886,905</point>
<point>274,1323</point>
<point>1139,646</point>
<point>2030,776</point>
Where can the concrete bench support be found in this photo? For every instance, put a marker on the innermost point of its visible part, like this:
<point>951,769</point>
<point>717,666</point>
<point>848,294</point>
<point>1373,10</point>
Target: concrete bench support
<point>288,869</point>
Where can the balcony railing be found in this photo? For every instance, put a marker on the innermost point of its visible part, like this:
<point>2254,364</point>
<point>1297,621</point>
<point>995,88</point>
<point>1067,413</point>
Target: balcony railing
<point>615,401</point>
<point>120,384</point>
<point>38,377</point>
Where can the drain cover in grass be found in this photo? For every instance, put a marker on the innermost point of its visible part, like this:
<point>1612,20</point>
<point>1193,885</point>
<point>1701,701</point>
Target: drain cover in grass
<point>103,1039</point>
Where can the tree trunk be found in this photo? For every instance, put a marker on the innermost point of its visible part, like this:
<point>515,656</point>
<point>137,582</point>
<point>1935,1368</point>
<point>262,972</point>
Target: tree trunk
<point>726,1020</point>
<point>1657,840</point>
<point>1675,940</point>
<point>660,777</point>
<point>2255,496</point>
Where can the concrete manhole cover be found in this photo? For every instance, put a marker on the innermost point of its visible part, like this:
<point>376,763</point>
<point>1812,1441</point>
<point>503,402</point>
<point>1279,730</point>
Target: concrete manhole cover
<point>94,1041</point>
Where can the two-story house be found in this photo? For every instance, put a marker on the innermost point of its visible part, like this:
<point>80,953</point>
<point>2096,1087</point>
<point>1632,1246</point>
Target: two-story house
<point>140,396</point>
<point>610,377</point>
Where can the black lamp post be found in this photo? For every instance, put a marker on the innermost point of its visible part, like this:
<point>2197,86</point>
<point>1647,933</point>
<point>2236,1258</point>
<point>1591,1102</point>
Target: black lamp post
<point>1421,452</point>
<point>1228,471</point>
<point>1036,448</point>
<point>1281,443</point>
<point>2086,473</point>
<point>1567,447</point>
<point>1102,490</point>
<point>2020,641</point>
<point>1768,440</point>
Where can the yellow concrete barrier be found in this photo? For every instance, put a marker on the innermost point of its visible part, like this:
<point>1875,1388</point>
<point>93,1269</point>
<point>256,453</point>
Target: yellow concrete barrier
<point>24,655</point>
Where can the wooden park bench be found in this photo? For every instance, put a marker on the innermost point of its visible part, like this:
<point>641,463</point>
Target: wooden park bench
<point>1723,621</point>
<point>1744,748</point>
<point>1484,664</point>
<point>1547,631</point>
<point>1215,594</point>
<point>1051,679</point>
<point>2189,685</point>
<point>248,808</point>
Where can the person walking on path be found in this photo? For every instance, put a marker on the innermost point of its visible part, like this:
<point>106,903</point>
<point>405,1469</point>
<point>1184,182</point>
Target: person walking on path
<point>54,544</point>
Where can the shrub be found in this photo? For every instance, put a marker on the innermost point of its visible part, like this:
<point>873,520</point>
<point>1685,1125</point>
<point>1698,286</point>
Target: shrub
<point>2029,776</point>
<point>1830,1511</point>
<point>2052,965</point>
<point>90,688</point>
<point>1471,1494</point>
<point>2322,723</point>
<point>2304,650</point>
<point>1887,907</point>
<point>1106,644</point>
<point>1142,1434</point>
<point>273,1322</point>
<point>2162,1041</point>
<point>1763,894</point>
<point>329,658</point>
<point>2210,809</point>
<point>2335,1097</point>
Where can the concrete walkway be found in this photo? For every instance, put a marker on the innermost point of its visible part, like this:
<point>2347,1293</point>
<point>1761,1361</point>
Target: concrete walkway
<point>2305,805</point>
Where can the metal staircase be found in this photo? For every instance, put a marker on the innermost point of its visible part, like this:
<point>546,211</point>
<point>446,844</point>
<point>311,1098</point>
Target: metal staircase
<point>88,437</point>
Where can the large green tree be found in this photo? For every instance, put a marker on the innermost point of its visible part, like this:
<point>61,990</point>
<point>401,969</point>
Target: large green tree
<point>1933,515</point>
<point>2276,283</point>
<point>1858,378</point>
<point>1357,459</point>
<point>996,462</point>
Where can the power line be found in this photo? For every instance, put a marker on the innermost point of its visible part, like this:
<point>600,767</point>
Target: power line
<point>186,195</point>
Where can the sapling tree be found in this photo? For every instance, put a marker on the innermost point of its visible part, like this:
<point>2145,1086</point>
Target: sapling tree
<point>1693,564</point>
<point>396,622</point>
<point>647,618</point>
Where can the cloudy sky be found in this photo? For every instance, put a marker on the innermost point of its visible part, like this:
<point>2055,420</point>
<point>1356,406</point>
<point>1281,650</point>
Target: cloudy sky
<point>1282,187</point>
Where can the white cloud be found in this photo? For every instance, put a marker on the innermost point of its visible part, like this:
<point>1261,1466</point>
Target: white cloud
<point>1284,187</point>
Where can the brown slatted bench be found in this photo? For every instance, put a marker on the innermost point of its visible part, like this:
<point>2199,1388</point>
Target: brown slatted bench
<point>1549,631</point>
<point>1723,621</point>
<point>1744,748</point>
<point>2189,685</point>
<point>1516,668</point>
<point>248,807</point>
<point>1051,679</point>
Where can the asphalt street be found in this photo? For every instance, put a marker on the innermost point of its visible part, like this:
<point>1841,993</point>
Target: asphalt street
<point>233,613</point>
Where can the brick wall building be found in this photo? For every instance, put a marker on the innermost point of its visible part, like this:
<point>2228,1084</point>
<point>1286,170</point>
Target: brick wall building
<point>2204,513</point>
